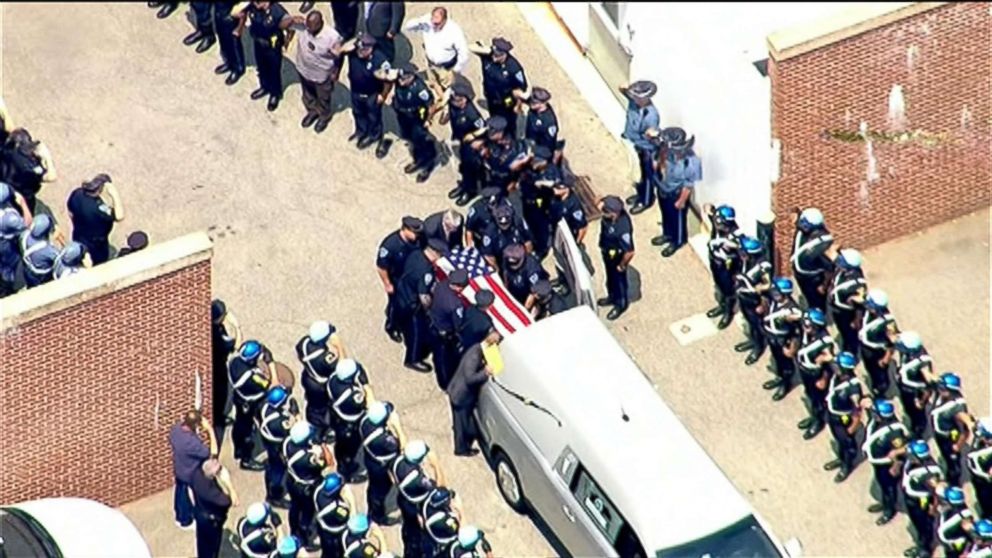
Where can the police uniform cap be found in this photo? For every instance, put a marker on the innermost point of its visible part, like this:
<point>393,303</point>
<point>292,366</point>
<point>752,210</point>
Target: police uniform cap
<point>885,408</point>
<point>11,223</point>
<point>346,369</point>
<point>41,226</point>
<point>415,451</point>
<point>468,536</point>
<point>366,40</point>
<point>138,240</point>
<point>378,412</point>
<point>250,350</point>
<point>496,124</point>
<point>407,69</point>
<point>540,95</point>
<point>541,289</point>
<point>438,246</point>
<point>502,45</point>
<point>908,341</point>
<point>217,309</point>
<point>277,395</point>
<point>332,483</point>
<point>514,254</point>
<point>676,138</point>
<point>415,224</point>
<point>485,297</point>
<point>847,360</point>
<point>257,513</point>
<point>300,432</point>
<point>542,152</point>
<point>491,194</point>
<point>612,204</point>
<point>288,546</point>
<point>458,278</point>
<point>320,331</point>
<point>954,495</point>
<point>461,89</point>
<point>920,449</point>
<point>642,89</point>
<point>92,185</point>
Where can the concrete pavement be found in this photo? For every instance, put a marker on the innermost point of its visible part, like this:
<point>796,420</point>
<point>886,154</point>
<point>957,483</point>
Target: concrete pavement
<point>296,219</point>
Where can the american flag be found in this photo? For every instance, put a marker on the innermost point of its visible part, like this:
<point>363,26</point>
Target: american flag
<point>507,314</point>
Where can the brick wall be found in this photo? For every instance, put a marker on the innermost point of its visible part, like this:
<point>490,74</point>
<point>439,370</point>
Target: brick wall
<point>942,59</point>
<point>90,390</point>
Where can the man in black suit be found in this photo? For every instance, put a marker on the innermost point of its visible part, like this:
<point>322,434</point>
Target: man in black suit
<point>383,20</point>
<point>447,226</point>
<point>345,18</point>
<point>463,393</point>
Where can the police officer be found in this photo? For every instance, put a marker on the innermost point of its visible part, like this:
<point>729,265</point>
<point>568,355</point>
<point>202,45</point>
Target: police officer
<point>441,521</point>
<point>885,448</point>
<point>914,376</point>
<point>204,31</point>
<point>414,487</point>
<point>846,297</point>
<point>504,156</point>
<point>480,214</point>
<point>412,101</point>
<point>845,399</point>
<point>955,521</point>
<point>368,77</point>
<point>566,206</point>
<point>38,253</point>
<point>467,126</point>
<point>979,461</point>
<point>815,359</point>
<point>446,301</point>
<point>981,545</point>
<point>319,352</point>
<point>274,420</point>
<point>521,271</point>
<point>92,218</point>
<point>357,540</point>
<point>919,482</point>
<point>506,230</point>
<point>413,298</point>
<point>71,260</point>
<point>676,172</point>
<point>333,503</point>
<point>952,424</point>
<point>724,249</point>
<point>225,338</point>
<point>25,164</point>
<point>11,229</point>
<point>448,226</point>
<point>382,439</point>
<point>504,83</point>
<point>250,381</point>
<point>780,329</point>
<point>474,324</point>
<point>536,191</point>
<point>305,461</point>
<point>269,21</point>
<point>232,52</point>
<point>642,116</point>
<point>349,392</point>
<point>257,531</point>
<point>751,286</point>
<point>877,338</point>
<point>389,262</point>
<point>616,242</point>
<point>544,301</point>
<point>472,543</point>
<point>810,263</point>
<point>541,126</point>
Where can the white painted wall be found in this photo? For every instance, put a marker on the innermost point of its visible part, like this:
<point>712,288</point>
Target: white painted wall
<point>575,16</point>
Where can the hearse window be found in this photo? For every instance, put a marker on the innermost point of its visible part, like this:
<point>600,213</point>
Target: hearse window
<point>605,515</point>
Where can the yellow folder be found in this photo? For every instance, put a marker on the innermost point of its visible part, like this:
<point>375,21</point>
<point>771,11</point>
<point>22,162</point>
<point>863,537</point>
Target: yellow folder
<point>493,357</point>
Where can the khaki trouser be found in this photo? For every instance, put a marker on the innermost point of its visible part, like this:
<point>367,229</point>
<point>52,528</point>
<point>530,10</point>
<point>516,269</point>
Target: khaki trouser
<point>439,80</point>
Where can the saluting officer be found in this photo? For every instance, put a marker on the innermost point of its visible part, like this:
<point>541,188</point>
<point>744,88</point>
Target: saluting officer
<point>333,503</point>
<point>536,193</point>
<point>815,359</point>
<point>441,520</point>
<point>474,324</point>
<point>811,263</point>
<point>305,461</point>
<point>877,338</point>
<point>845,400</point>
<point>382,439</point>
<point>467,126</point>
<point>389,262</point>
<point>232,52</point>
<point>781,330</point>
<point>676,172</point>
<point>955,522</point>
<point>269,21</point>
<point>504,156</point>
<point>885,447</point>
<point>724,248</point>
<point>250,380</point>
<point>413,298</point>
<point>566,205</point>
<point>506,230</point>
<point>642,116</point>
<point>274,420</point>
<point>92,218</point>
<point>257,531</point>
<point>521,271</point>
<point>616,242</point>
<point>349,392</point>
<point>412,102</point>
<point>318,352</point>
<point>751,285</point>
<point>846,298</point>
<point>914,376</point>
<point>979,461</point>
<point>919,483</point>
<point>446,301</point>
<point>472,543</point>
<point>952,424</point>
<point>542,124</point>
<point>368,73</point>
<point>504,83</point>
<point>363,539</point>
<point>414,487</point>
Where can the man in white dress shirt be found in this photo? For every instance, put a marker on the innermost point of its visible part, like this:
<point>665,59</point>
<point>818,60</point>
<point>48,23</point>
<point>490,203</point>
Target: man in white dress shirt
<point>445,47</point>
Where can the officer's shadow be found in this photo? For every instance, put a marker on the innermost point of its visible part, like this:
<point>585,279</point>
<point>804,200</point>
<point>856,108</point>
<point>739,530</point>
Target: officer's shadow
<point>634,284</point>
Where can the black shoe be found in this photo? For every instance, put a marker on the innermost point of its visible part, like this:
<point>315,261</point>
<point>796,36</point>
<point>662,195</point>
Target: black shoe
<point>714,312</point>
<point>382,149</point>
<point>358,477</point>
<point>842,475</point>
<point>153,4</point>
<point>321,125</point>
<point>876,507</point>
<point>424,174</point>
<point>166,10</point>
<point>258,94</point>
<point>616,312</point>
<point>411,168</point>
<point>395,336</point>
<point>632,200</point>
<point>772,384</point>
<point>419,366</point>
<point>780,393</point>
<point>911,552</point>
<point>470,453</point>
<point>886,517</point>
<point>193,37</point>
<point>752,358</point>
<point>813,431</point>
<point>805,423</point>
<point>354,136</point>
<point>604,302</point>
<point>233,78</point>
<point>638,209</point>
<point>205,44</point>
<point>725,321</point>
<point>660,240</point>
<point>308,120</point>
<point>831,465</point>
<point>222,69</point>
<point>743,346</point>
<point>464,199</point>
<point>283,502</point>
<point>251,465</point>
<point>455,192</point>
<point>306,7</point>
<point>273,103</point>
<point>669,251</point>
<point>365,142</point>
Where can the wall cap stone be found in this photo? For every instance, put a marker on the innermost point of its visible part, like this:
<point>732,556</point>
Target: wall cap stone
<point>855,20</point>
<point>156,260</point>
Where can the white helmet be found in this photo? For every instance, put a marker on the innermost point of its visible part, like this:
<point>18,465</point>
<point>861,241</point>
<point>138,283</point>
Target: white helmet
<point>320,331</point>
<point>300,432</point>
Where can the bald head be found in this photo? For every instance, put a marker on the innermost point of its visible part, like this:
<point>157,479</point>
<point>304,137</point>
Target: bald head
<point>315,22</point>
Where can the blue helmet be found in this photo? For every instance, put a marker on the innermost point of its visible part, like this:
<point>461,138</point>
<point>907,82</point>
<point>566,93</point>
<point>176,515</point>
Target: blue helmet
<point>909,342</point>
<point>250,350</point>
<point>810,218</point>
<point>954,495</point>
<point>885,408</point>
<point>288,546</point>
<point>950,381</point>
<point>441,496</point>
<point>277,396</point>
<point>468,536</point>
<point>41,226</point>
<point>816,317</point>
<point>919,449</point>
<point>849,258</point>
<point>983,528</point>
<point>257,513</point>
<point>725,213</point>
<point>847,361</point>
<point>877,299</point>
<point>11,223</point>
<point>72,254</point>
<point>332,483</point>
<point>358,524</point>
<point>782,285</point>
<point>751,245</point>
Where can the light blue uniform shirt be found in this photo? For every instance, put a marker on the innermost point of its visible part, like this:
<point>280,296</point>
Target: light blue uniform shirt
<point>679,174</point>
<point>639,120</point>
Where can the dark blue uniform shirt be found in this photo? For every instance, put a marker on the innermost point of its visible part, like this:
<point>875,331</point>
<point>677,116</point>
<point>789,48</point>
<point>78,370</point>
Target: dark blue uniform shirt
<point>443,306</point>
<point>92,219</point>
<point>414,100</point>
<point>361,72</point>
<point>417,279</point>
<point>499,80</point>
<point>542,128</point>
<point>393,252</point>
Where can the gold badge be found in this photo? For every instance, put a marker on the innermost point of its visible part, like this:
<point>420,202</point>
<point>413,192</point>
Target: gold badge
<point>897,443</point>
